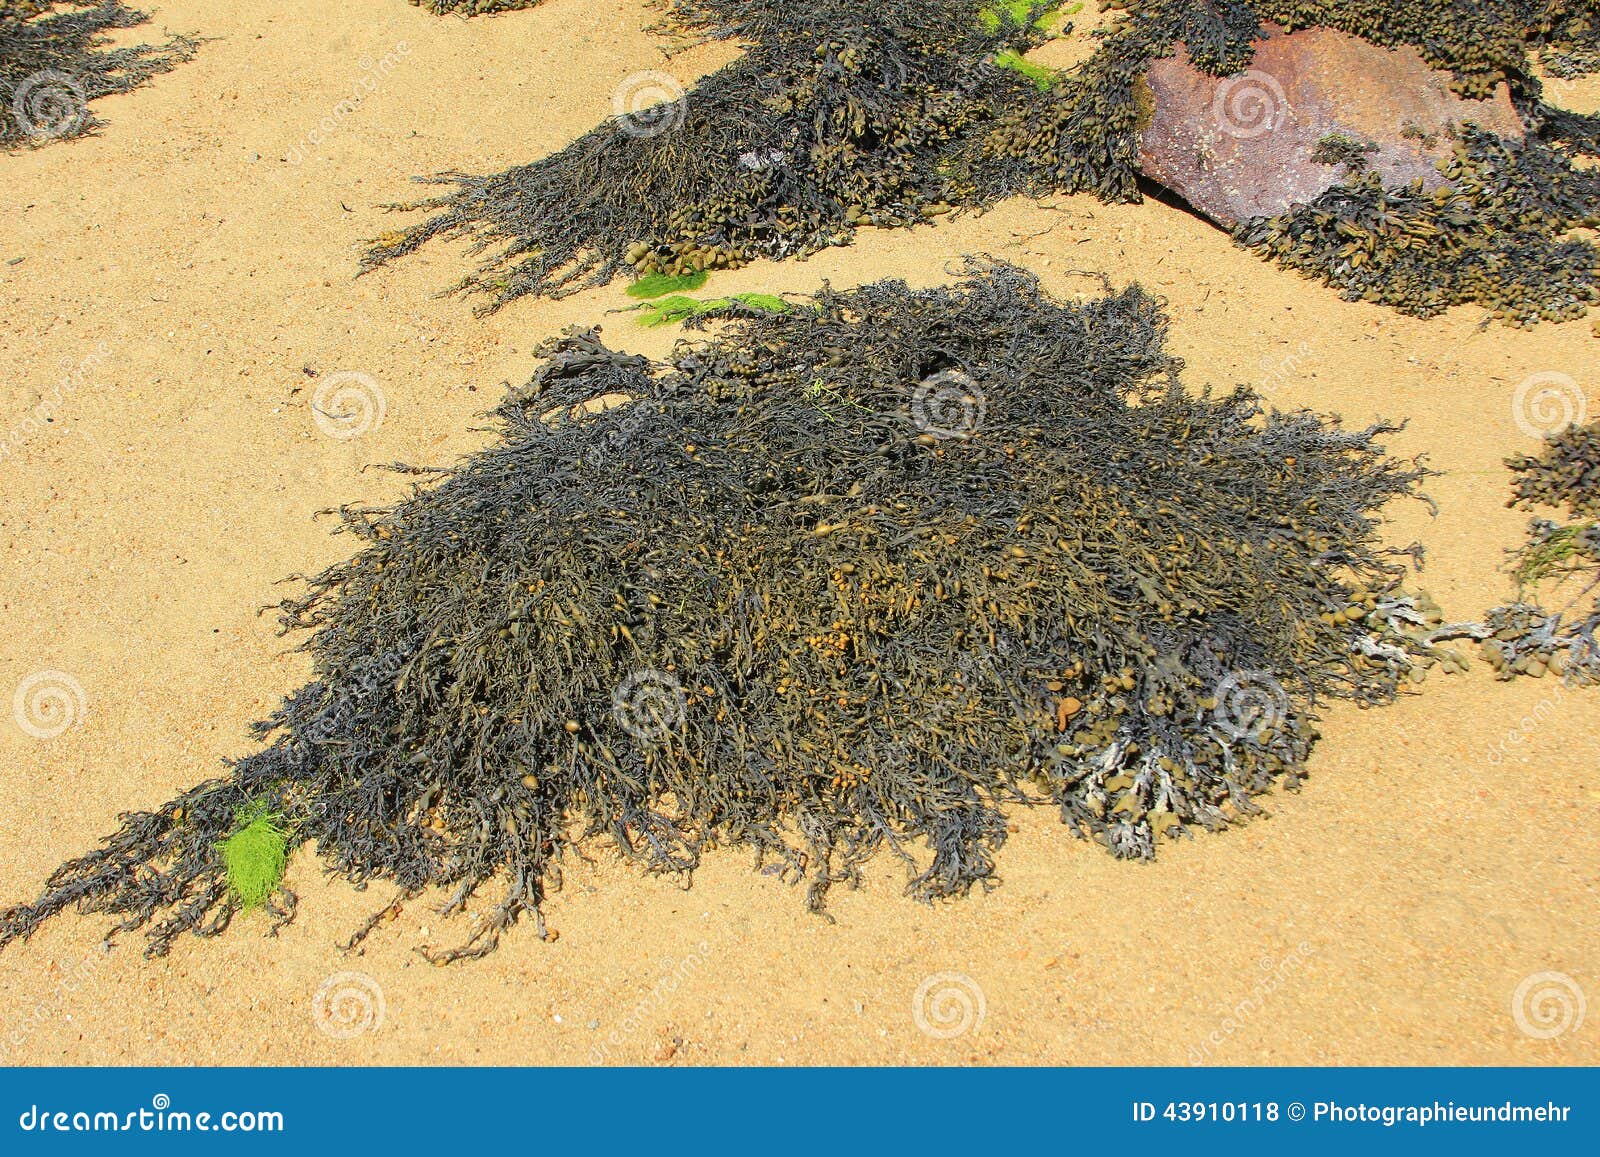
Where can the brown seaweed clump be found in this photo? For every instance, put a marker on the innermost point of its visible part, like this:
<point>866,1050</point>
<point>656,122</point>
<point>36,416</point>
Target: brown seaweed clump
<point>843,114</point>
<point>1566,473</point>
<point>473,7</point>
<point>839,115</point>
<point>1501,233</point>
<point>855,576</point>
<point>1523,638</point>
<point>55,59</point>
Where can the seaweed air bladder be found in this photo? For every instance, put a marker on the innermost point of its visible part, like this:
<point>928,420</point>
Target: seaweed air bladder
<point>855,576</point>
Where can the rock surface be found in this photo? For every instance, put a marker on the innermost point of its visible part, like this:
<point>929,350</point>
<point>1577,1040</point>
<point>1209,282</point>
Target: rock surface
<point>1241,146</point>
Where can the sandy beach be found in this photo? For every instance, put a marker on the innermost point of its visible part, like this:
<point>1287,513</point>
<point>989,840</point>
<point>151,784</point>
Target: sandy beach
<point>190,272</point>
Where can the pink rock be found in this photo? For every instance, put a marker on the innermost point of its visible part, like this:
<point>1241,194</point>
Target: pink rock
<point>1240,146</point>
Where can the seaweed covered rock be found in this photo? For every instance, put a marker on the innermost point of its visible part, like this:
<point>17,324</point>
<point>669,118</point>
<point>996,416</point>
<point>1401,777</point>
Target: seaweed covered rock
<point>56,57</point>
<point>842,115</point>
<point>1314,106</point>
<point>1501,232</point>
<point>1523,638</point>
<point>853,576</point>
